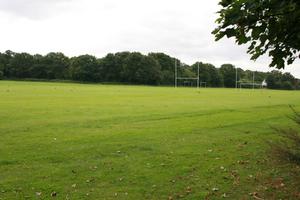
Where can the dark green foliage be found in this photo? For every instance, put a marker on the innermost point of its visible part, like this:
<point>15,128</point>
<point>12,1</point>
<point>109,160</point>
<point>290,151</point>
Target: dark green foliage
<point>267,26</point>
<point>167,64</point>
<point>39,69</point>
<point>56,65</point>
<point>84,68</point>
<point>141,69</point>
<point>131,67</point>
<point>289,146</point>
<point>51,66</point>
<point>229,73</point>
<point>209,74</point>
<point>278,80</point>
<point>19,65</point>
<point>1,75</point>
<point>4,62</point>
<point>112,66</point>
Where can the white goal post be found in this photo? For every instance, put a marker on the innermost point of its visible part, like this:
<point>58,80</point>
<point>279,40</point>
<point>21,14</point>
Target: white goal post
<point>253,84</point>
<point>202,84</point>
<point>187,79</point>
<point>250,85</point>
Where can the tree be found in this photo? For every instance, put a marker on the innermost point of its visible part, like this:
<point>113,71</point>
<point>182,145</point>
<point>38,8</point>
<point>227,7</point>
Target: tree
<point>167,64</point>
<point>84,68</point>
<point>271,26</point>
<point>153,69</point>
<point>2,65</point>
<point>4,62</point>
<point>141,69</point>
<point>278,80</point>
<point>39,68</point>
<point>229,74</point>
<point>149,72</point>
<point>209,74</point>
<point>20,64</point>
<point>112,66</point>
<point>56,65</point>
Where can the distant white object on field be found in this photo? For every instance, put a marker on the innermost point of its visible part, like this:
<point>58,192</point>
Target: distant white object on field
<point>264,83</point>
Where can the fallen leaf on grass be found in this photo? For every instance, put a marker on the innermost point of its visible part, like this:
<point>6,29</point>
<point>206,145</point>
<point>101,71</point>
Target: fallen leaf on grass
<point>278,183</point>
<point>243,162</point>
<point>179,195</point>
<point>38,193</point>
<point>53,194</point>
<point>89,180</point>
<point>255,196</point>
<point>236,177</point>
<point>224,195</point>
<point>223,168</point>
<point>93,168</point>
<point>188,189</point>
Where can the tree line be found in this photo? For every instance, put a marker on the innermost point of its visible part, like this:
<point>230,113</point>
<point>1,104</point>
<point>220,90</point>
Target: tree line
<point>131,68</point>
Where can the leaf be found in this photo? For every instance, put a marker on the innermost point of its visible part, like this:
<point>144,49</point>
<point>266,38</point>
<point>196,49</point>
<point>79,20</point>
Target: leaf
<point>53,194</point>
<point>38,193</point>
<point>230,32</point>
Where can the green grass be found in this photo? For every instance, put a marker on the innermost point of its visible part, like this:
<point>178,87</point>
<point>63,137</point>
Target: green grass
<point>87,141</point>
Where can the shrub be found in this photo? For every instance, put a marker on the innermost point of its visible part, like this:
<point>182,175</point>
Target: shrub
<point>1,75</point>
<point>288,148</point>
<point>287,85</point>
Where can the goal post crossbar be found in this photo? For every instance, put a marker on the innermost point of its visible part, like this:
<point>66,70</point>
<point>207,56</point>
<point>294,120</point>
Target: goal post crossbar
<point>249,84</point>
<point>253,84</point>
<point>186,78</point>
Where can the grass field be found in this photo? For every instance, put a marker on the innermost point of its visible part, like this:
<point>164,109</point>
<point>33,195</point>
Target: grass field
<point>84,141</point>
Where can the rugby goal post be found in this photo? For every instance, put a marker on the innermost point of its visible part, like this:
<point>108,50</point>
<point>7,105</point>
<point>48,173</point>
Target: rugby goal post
<point>250,85</point>
<point>186,79</point>
<point>253,84</point>
<point>202,84</point>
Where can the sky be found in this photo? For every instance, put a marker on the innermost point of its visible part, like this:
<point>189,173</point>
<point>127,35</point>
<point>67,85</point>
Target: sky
<point>181,29</point>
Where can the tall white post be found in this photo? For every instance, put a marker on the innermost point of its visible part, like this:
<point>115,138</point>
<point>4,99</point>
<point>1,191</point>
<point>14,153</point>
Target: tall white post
<point>236,78</point>
<point>198,80</point>
<point>175,74</point>
<point>253,78</point>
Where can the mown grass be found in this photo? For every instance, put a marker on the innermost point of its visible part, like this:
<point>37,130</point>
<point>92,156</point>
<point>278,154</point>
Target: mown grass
<point>84,141</point>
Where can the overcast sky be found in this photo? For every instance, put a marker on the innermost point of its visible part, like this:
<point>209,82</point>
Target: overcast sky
<point>179,28</point>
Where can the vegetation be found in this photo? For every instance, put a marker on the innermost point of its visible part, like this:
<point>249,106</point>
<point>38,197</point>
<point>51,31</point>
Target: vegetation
<point>126,67</point>
<point>288,149</point>
<point>268,26</point>
<point>74,141</point>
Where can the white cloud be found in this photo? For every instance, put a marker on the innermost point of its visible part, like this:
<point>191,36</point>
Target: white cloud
<point>33,9</point>
<point>176,27</point>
